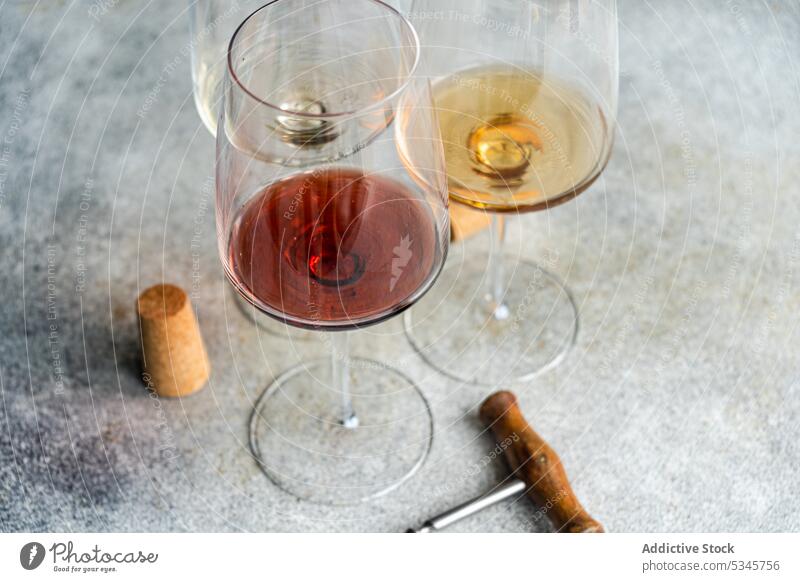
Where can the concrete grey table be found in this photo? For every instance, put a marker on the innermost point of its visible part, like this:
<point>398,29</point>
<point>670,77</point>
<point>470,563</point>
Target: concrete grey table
<point>679,409</point>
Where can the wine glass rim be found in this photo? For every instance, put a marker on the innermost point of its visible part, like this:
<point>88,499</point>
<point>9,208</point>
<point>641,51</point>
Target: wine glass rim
<point>338,114</point>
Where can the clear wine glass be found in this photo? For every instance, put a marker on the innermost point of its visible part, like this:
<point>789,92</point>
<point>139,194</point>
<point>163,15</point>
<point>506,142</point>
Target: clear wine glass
<point>527,95</point>
<point>327,221</point>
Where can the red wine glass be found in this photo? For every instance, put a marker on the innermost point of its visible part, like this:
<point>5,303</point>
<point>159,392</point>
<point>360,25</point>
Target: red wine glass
<point>328,221</point>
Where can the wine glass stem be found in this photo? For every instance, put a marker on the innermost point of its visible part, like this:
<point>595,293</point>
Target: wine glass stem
<point>497,273</point>
<point>340,374</point>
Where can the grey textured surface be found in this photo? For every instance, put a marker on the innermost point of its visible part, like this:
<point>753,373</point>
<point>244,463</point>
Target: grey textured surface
<point>679,410</point>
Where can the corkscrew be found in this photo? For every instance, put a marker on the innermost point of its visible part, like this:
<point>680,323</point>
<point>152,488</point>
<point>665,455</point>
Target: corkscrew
<point>537,469</point>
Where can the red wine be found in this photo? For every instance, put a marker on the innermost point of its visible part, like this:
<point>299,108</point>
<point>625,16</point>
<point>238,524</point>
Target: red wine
<point>334,246</point>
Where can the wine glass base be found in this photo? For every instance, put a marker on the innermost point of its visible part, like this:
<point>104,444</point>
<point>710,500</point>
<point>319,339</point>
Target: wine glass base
<point>460,333</point>
<point>269,325</point>
<point>301,444</point>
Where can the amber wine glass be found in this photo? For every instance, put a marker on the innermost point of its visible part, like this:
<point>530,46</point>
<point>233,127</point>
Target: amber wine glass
<point>526,93</point>
<point>326,221</point>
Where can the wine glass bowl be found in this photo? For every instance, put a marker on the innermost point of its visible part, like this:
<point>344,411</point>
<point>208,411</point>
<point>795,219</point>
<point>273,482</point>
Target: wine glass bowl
<point>333,249</point>
<point>515,142</point>
<point>318,247</point>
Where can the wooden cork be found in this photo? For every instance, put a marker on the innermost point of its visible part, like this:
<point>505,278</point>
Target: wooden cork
<point>466,222</point>
<point>175,359</point>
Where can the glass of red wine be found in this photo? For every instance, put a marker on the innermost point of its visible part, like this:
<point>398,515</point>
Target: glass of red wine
<point>332,216</point>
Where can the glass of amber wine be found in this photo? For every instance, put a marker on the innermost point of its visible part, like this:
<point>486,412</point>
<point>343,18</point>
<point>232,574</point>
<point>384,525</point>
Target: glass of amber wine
<point>526,93</point>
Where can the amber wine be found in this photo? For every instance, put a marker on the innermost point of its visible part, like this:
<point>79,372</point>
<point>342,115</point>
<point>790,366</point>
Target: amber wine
<point>516,141</point>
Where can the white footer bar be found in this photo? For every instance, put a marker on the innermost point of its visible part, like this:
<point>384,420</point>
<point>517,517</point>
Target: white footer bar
<point>400,557</point>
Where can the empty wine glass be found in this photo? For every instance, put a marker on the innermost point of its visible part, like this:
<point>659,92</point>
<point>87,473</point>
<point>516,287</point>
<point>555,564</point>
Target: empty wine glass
<point>327,221</point>
<point>527,95</point>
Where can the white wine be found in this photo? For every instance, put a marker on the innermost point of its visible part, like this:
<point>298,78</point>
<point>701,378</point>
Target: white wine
<point>208,92</point>
<point>516,141</point>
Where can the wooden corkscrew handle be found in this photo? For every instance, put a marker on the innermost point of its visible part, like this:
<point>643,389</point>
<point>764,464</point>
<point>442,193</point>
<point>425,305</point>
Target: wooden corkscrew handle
<point>537,464</point>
